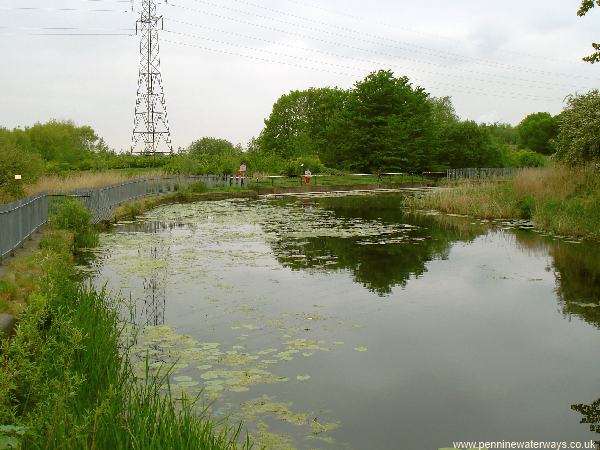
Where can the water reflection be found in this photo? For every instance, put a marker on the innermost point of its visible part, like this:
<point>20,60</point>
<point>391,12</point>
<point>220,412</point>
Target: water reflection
<point>378,260</point>
<point>155,290</point>
<point>149,307</point>
<point>591,416</point>
<point>474,324</point>
<point>576,267</point>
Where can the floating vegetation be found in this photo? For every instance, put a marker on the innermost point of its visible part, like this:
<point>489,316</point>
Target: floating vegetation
<point>266,405</point>
<point>361,349</point>
<point>246,343</point>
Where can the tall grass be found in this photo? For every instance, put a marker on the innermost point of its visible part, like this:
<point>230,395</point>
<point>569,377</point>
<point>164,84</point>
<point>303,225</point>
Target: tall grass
<point>561,200</point>
<point>79,180</point>
<point>485,200</point>
<point>65,380</point>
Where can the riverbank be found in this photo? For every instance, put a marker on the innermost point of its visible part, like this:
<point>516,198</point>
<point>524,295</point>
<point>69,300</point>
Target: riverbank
<point>199,192</point>
<point>65,379</point>
<point>561,201</point>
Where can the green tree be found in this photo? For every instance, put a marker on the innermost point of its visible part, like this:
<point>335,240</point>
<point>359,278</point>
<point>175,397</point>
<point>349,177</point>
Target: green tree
<point>578,141</point>
<point>586,5</point>
<point>467,144</point>
<point>442,110</point>
<point>14,161</point>
<point>297,125</point>
<point>536,132</point>
<point>386,125</point>
<point>503,133</point>
<point>60,142</point>
<point>211,146</point>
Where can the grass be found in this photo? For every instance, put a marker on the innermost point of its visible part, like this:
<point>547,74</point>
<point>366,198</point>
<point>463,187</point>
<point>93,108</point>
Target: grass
<point>560,200</point>
<point>65,380</point>
<point>80,180</point>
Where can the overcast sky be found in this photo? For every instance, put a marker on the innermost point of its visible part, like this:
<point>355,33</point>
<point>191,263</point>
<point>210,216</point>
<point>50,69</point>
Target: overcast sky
<point>225,62</point>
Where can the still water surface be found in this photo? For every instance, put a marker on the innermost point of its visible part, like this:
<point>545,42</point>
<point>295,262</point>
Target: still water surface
<point>344,322</point>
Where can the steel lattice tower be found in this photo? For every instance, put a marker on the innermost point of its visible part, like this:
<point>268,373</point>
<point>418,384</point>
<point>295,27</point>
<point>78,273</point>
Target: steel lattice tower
<point>151,134</point>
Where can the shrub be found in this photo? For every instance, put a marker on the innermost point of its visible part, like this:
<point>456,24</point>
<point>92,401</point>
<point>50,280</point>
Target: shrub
<point>523,158</point>
<point>578,141</point>
<point>14,161</point>
<point>299,165</point>
<point>71,215</point>
<point>197,188</point>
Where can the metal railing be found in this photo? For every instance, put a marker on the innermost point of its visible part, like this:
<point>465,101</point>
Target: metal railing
<point>479,173</point>
<point>20,219</point>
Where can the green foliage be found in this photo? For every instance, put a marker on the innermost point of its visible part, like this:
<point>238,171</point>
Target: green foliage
<point>386,124</point>
<point>14,161</point>
<point>586,5</point>
<point>204,164</point>
<point>207,156</point>
<point>72,216</point>
<point>503,133</point>
<point>198,187</point>
<point>578,140</point>
<point>467,144</point>
<point>559,200</point>
<point>526,206</point>
<point>298,122</point>
<point>382,124</point>
<point>442,110</point>
<point>513,157</point>
<point>536,132</point>
<point>212,147</point>
<point>59,142</point>
<point>297,166</point>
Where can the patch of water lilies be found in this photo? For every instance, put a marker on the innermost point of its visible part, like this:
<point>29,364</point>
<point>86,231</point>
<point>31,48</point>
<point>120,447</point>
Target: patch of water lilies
<point>198,245</point>
<point>219,373</point>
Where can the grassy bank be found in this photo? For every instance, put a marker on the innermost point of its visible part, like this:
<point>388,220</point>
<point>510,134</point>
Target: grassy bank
<point>559,200</point>
<point>65,381</point>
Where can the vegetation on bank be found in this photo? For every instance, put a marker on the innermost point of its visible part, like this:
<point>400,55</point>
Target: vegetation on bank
<point>382,124</point>
<point>65,381</point>
<point>561,200</point>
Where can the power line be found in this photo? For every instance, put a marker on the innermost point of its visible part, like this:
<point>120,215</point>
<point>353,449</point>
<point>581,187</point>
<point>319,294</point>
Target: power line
<point>39,8</point>
<point>536,83</point>
<point>362,19</point>
<point>195,36</point>
<point>354,75</point>
<point>65,28</point>
<point>417,48</point>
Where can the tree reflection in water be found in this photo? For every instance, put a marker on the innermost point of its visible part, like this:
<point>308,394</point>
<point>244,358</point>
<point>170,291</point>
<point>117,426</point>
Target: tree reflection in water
<point>378,262</point>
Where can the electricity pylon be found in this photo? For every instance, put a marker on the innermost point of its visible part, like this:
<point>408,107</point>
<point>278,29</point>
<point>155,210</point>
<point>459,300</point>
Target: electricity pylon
<point>151,134</point>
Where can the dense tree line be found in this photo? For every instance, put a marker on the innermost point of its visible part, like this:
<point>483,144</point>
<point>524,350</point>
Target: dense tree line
<point>384,123</point>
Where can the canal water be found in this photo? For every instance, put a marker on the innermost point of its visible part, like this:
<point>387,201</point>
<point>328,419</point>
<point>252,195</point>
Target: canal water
<point>345,322</point>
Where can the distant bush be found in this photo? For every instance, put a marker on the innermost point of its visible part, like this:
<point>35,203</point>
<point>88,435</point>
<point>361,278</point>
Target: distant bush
<point>523,158</point>
<point>299,165</point>
<point>14,161</point>
<point>72,216</point>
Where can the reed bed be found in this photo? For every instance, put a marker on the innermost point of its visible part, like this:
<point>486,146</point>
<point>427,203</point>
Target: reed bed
<point>81,180</point>
<point>560,200</point>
